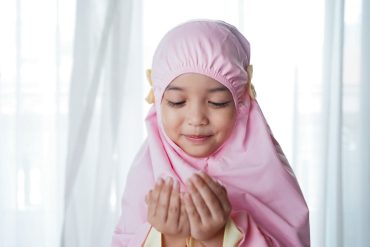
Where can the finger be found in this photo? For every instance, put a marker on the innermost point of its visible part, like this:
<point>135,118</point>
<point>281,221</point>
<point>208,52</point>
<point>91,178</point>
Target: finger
<point>198,199</point>
<point>218,190</point>
<point>211,200</point>
<point>184,223</point>
<point>174,205</point>
<point>154,197</point>
<point>191,211</point>
<point>147,198</point>
<point>164,199</point>
<point>183,213</point>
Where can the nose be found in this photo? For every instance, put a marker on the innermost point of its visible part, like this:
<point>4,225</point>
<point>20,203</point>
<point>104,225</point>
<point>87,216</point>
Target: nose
<point>197,116</point>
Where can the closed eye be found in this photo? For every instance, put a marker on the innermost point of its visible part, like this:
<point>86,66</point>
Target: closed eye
<point>219,104</point>
<point>175,104</point>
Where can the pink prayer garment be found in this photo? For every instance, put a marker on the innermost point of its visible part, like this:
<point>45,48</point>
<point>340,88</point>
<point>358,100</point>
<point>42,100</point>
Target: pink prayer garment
<point>267,204</point>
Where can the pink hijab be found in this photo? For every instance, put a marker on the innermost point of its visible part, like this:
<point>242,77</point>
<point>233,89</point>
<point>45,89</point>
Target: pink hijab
<point>267,204</point>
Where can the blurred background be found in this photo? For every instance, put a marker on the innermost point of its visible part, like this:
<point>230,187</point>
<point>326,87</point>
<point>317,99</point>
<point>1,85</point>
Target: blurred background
<point>72,108</point>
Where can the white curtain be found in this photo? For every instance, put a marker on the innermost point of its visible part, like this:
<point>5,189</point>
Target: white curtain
<point>35,42</point>
<point>71,107</point>
<point>70,118</point>
<point>105,126</point>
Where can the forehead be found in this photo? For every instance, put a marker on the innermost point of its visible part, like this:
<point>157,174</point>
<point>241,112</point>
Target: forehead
<point>195,82</point>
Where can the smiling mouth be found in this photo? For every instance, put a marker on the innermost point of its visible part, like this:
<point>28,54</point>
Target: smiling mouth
<point>197,138</point>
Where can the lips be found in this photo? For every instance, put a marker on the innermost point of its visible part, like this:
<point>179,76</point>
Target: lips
<point>197,138</point>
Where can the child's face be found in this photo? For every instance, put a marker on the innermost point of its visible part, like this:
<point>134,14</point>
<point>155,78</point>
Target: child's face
<point>198,113</point>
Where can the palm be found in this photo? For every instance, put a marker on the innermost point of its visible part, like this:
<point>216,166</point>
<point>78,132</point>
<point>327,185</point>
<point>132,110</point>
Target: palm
<point>166,212</point>
<point>207,206</point>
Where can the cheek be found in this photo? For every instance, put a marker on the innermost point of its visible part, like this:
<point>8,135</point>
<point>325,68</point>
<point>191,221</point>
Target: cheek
<point>225,121</point>
<point>170,120</point>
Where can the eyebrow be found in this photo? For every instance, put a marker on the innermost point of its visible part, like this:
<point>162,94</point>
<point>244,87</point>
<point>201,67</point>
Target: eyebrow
<point>218,89</point>
<point>174,88</point>
<point>212,90</point>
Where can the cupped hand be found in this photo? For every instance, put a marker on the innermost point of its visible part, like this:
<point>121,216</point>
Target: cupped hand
<point>207,206</point>
<point>166,212</point>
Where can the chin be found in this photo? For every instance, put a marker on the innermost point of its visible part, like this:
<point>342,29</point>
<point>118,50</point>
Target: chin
<point>198,153</point>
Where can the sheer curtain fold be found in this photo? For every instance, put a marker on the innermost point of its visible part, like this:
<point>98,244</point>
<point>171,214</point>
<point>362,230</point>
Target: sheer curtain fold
<point>345,127</point>
<point>332,98</point>
<point>105,84</point>
<point>34,56</point>
<point>364,135</point>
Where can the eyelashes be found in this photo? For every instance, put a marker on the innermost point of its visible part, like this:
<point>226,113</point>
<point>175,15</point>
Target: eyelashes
<point>219,104</point>
<point>175,104</point>
<point>178,104</point>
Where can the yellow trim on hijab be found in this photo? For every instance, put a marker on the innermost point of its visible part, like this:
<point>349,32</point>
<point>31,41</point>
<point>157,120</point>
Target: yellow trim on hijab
<point>250,88</point>
<point>150,98</point>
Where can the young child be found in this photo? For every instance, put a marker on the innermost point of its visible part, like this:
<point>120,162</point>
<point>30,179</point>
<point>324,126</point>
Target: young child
<point>210,172</point>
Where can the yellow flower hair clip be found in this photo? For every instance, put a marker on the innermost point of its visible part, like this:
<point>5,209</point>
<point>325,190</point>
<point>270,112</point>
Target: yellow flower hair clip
<point>250,90</point>
<point>150,97</point>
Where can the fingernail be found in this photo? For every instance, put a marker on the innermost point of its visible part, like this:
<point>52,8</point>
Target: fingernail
<point>190,185</point>
<point>175,184</point>
<point>168,180</point>
<point>194,177</point>
<point>159,181</point>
